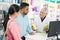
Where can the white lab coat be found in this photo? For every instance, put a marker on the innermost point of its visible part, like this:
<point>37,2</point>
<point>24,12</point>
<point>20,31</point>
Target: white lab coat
<point>40,25</point>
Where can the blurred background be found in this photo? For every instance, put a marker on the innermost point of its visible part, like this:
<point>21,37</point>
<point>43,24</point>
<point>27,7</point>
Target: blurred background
<point>34,7</point>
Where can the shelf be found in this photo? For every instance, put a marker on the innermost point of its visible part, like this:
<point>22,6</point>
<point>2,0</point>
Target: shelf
<point>3,3</point>
<point>8,3</point>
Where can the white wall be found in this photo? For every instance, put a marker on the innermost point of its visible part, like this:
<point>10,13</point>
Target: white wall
<point>39,4</point>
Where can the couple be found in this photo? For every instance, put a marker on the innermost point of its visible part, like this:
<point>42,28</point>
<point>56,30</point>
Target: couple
<point>16,23</point>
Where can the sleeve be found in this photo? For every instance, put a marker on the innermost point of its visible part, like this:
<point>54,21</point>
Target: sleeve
<point>13,28</point>
<point>29,29</point>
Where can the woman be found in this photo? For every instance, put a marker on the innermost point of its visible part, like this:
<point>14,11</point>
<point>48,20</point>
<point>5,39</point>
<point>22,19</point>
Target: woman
<point>12,30</point>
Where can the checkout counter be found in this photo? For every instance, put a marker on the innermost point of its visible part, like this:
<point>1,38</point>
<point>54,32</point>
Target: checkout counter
<point>40,36</point>
<point>53,33</point>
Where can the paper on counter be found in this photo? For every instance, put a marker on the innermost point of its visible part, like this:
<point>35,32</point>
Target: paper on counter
<point>37,36</point>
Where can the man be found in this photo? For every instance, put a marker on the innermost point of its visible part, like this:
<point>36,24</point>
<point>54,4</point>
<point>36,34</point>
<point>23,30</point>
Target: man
<point>42,20</point>
<point>22,20</point>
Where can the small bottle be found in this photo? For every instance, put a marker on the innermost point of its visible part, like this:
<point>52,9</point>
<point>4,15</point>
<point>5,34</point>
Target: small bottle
<point>34,27</point>
<point>18,1</point>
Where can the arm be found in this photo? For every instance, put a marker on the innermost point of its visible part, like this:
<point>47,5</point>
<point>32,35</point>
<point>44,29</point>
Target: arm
<point>29,29</point>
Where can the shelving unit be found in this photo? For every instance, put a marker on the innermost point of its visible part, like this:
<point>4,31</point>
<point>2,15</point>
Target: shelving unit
<point>9,2</point>
<point>53,1</point>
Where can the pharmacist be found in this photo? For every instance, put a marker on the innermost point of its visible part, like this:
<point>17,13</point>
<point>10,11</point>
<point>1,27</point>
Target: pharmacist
<point>42,20</point>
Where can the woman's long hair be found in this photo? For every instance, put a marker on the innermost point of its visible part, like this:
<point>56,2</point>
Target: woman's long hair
<point>13,8</point>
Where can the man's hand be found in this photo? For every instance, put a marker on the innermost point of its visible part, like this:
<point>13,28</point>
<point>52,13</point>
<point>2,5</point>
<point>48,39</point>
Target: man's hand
<point>31,33</point>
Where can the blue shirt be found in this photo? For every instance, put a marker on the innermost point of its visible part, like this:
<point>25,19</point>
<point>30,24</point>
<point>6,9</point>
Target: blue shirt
<point>24,24</point>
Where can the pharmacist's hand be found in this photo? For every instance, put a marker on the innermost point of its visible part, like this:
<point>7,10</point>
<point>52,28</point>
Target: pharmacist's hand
<point>32,33</point>
<point>45,29</point>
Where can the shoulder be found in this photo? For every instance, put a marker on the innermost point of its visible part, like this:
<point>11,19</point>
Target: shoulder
<point>11,23</point>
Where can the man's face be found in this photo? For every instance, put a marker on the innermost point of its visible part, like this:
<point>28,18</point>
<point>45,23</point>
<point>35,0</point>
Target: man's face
<point>43,13</point>
<point>26,10</point>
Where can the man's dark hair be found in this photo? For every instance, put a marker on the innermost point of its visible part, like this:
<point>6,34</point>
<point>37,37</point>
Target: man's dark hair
<point>23,5</point>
